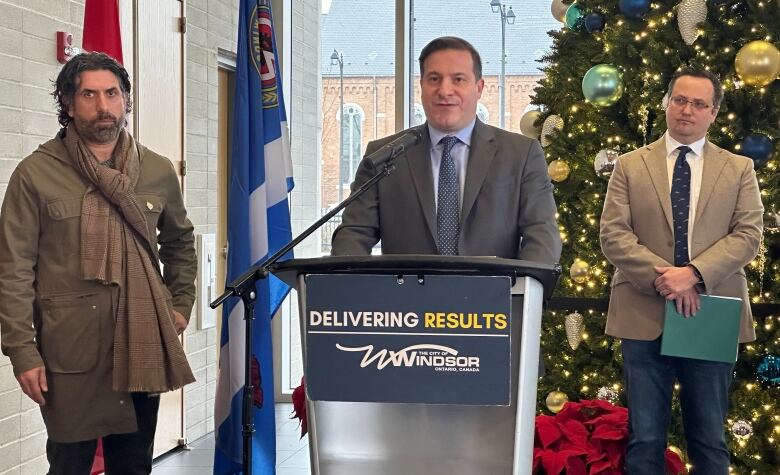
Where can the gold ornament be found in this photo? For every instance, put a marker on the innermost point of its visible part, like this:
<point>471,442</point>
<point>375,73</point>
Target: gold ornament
<point>527,126</point>
<point>574,325</point>
<point>558,9</point>
<point>689,14</point>
<point>551,124</point>
<point>556,400</point>
<point>558,170</point>
<point>579,271</point>
<point>758,63</point>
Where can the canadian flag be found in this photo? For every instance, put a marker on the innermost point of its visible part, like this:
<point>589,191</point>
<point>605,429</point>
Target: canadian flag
<point>101,28</point>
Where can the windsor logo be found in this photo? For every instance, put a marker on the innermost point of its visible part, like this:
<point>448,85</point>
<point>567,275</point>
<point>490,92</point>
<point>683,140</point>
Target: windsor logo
<point>436,357</point>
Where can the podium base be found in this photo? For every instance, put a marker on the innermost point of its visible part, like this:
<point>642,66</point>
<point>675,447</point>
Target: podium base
<point>450,466</point>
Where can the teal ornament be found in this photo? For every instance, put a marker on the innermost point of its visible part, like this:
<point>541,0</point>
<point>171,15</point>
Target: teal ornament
<point>768,370</point>
<point>602,85</point>
<point>574,17</point>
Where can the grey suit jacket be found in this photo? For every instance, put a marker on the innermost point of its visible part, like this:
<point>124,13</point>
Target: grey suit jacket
<point>508,207</point>
<point>637,234</point>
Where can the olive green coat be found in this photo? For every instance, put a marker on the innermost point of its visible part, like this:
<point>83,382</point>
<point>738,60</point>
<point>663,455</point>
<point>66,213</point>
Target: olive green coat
<point>49,316</point>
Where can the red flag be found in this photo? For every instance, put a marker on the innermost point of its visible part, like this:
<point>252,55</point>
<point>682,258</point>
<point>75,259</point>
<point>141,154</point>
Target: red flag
<point>101,28</point>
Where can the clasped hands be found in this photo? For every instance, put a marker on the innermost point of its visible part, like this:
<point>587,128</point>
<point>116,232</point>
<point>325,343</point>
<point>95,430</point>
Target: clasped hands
<point>679,284</point>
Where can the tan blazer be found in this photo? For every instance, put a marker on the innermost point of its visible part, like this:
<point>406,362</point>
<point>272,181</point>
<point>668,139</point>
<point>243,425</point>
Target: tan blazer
<point>636,235</point>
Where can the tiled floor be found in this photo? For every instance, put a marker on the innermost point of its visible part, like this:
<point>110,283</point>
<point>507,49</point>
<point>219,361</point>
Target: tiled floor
<point>292,452</point>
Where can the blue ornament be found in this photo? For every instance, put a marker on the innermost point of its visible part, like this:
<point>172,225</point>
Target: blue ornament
<point>769,370</point>
<point>594,22</point>
<point>634,9</point>
<point>758,147</point>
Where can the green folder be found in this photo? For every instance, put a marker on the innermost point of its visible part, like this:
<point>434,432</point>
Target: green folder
<point>712,334</point>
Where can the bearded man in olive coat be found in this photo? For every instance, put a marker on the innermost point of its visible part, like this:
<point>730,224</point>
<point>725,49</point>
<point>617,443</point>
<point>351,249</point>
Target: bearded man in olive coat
<point>89,321</point>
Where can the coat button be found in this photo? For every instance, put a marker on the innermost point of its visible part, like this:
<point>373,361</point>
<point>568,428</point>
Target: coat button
<point>94,307</point>
<point>121,401</point>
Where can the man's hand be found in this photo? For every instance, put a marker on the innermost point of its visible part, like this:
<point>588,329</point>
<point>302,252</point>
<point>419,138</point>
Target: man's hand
<point>674,280</point>
<point>688,302</point>
<point>33,384</point>
<point>179,322</point>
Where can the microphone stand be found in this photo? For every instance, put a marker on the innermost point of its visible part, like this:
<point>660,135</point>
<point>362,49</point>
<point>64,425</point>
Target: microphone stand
<point>244,288</point>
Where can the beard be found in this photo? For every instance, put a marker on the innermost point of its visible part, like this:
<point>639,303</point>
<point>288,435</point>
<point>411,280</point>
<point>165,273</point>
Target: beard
<point>100,133</point>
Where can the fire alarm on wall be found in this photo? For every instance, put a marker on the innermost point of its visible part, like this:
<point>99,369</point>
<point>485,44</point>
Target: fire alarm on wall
<point>65,48</point>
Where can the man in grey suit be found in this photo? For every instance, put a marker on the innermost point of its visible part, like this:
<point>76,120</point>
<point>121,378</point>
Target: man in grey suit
<point>466,189</point>
<point>681,217</point>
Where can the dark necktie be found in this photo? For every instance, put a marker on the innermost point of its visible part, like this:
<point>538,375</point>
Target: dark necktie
<point>681,200</point>
<point>447,209</point>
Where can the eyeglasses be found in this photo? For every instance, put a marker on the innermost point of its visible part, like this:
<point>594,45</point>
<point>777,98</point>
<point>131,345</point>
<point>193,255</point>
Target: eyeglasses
<point>681,101</point>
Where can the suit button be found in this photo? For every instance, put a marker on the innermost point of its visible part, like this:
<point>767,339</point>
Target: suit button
<point>670,243</point>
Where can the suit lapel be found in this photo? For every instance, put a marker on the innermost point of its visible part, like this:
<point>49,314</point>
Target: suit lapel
<point>419,160</point>
<point>481,153</point>
<point>713,164</point>
<point>655,161</point>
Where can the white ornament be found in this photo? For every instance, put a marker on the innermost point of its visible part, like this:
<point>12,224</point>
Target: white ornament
<point>551,124</point>
<point>689,14</point>
<point>604,162</point>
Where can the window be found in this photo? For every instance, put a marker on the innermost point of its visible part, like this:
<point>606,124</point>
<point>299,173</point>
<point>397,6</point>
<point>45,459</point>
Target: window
<point>418,115</point>
<point>482,113</point>
<point>351,152</point>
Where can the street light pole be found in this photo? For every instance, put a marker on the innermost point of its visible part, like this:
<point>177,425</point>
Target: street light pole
<point>507,18</point>
<point>338,58</point>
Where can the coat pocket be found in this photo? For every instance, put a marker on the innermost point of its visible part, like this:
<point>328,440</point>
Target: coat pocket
<point>70,332</point>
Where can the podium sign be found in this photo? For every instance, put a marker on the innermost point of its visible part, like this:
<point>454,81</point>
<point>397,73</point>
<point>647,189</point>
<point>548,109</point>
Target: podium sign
<point>434,339</point>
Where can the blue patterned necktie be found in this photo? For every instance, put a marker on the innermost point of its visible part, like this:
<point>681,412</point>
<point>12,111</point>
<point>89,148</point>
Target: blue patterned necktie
<point>681,200</point>
<point>447,209</point>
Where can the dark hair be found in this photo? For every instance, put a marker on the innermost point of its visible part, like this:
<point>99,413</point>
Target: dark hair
<point>451,42</point>
<point>68,81</point>
<point>717,96</point>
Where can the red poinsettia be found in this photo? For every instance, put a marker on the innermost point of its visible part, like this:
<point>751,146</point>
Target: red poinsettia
<point>299,407</point>
<point>587,438</point>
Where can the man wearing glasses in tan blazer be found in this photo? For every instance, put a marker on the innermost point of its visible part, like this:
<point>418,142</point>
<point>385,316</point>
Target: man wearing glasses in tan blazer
<point>681,217</point>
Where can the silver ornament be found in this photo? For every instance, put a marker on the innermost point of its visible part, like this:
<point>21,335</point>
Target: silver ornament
<point>604,162</point>
<point>607,394</point>
<point>742,429</point>
<point>689,14</point>
<point>574,325</point>
<point>551,124</point>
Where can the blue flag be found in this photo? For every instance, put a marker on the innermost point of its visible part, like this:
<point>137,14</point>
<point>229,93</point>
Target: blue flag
<point>258,226</point>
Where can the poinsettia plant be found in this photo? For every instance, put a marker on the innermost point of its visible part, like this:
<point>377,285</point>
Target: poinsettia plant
<point>587,438</point>
<point>299,407</point>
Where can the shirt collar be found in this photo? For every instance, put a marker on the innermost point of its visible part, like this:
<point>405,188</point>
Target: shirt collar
<point>464,134</point>
<point>697,147</point>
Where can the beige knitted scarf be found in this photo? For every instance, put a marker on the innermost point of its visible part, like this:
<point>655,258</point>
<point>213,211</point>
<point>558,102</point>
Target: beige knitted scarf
<point>116,249</point>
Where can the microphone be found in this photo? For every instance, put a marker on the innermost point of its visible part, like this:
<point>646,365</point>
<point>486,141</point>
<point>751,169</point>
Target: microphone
<point>394,148</point>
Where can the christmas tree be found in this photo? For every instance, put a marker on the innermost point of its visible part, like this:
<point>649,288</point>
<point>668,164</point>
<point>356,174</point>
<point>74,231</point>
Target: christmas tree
<point>602,95</point>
